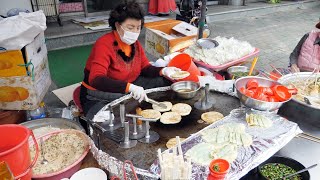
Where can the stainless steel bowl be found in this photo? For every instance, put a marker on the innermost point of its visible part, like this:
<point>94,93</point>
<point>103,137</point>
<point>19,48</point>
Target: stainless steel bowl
<point>289,78</point>
<point>234,69</point>
<point>254,103</point>
<point>207,43</point>
<point>185,89</point>
<point>53,122</point>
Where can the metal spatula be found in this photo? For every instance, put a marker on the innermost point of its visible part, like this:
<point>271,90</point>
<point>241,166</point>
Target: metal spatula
<point>155,102</point>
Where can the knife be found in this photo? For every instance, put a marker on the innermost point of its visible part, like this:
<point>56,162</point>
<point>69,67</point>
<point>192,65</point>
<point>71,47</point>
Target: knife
<point>156,103</point>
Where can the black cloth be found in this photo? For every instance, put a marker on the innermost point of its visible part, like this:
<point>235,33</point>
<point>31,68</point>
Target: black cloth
<point>296,52</point>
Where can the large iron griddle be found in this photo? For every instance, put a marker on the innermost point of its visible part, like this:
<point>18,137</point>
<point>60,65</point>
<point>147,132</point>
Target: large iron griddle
<point>143,155</point>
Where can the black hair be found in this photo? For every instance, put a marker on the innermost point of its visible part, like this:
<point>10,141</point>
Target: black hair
<point>124,11</point>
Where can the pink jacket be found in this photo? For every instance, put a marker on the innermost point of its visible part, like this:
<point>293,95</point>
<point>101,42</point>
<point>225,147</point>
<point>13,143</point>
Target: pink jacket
<point>309,57</point>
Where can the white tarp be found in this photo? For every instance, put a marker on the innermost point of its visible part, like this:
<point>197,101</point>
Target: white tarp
<point>18,31</point>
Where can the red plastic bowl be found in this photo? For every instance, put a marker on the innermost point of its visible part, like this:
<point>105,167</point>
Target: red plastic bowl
<point>71,169</point>
<point>224,166</point>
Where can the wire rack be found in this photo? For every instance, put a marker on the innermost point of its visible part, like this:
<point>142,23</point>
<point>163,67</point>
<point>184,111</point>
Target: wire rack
<point>49,7</point>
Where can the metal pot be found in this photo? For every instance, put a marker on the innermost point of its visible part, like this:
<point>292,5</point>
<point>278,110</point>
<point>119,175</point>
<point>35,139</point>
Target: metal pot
<point>285,161</point>
<point>287,79</point>
<point>185,89</point>
<point>254,103</point>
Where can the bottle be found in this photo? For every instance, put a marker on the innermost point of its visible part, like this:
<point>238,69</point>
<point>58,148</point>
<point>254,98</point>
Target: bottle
<point>38,113</point>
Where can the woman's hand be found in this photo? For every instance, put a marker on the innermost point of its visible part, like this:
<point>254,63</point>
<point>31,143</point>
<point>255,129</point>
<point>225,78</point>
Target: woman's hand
<point>137,92</point>
<point>294,68</point>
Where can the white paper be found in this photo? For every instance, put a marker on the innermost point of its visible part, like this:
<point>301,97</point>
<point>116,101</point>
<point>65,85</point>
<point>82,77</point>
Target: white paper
<point>186,29</point>
<point>102,116</point>
<point>162,34</point>
<point>66,94</point>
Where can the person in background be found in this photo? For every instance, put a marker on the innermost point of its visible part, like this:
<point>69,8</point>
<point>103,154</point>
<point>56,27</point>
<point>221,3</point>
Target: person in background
<point>161,7</point>
<point>306,55</point>
<point>118,65</point>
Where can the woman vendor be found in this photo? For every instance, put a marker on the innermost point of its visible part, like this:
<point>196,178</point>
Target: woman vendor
<point>306,55</point>
<point>117,64</point>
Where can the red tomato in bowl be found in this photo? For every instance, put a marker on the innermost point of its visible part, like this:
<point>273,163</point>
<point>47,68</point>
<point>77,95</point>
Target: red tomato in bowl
<point>252,88</point>
<point>268,91</point>
<point>260,90</point>
<point>252,83</point>
<point>257,95</point>
<point>242,90</point>
<point>249,93</point>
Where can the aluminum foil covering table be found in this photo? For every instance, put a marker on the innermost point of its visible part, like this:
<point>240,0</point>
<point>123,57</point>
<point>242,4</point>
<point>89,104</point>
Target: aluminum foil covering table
<point>266,142</point>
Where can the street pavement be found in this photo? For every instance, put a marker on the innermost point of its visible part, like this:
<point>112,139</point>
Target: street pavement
<point>275,34</point>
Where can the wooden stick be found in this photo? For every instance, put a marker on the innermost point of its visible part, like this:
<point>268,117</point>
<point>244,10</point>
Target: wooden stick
<point>253,65</point>
<point>276,69</point>
<point>265,75</point>
<point>268,74</point>
<point>308,138</point>
<point>315,137</point>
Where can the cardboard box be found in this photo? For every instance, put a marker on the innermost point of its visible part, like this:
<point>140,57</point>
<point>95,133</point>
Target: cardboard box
<point>26,92</point>
<point>10,64</point>
<point>36,51</point>
<point>162,39</point>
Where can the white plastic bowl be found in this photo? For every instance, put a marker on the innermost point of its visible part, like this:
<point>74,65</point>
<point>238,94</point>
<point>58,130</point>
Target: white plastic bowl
<point>90,173</point>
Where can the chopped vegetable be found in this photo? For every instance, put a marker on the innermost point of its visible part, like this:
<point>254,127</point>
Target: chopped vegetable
<point>240,74</point>
<point>216,168</point>
<point>275,171</point>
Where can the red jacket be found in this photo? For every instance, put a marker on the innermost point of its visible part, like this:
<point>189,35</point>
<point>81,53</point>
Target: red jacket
<point>109,69</point>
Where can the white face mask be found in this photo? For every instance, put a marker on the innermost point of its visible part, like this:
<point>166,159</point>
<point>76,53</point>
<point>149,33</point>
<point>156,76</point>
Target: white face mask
<point>129,37</point>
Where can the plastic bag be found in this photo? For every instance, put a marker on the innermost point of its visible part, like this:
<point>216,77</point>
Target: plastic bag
<point>20,30</point>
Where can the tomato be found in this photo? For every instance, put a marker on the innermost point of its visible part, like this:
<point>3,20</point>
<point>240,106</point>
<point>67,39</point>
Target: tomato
<point>268,91</point>
<point>260,90</point>
<point>274,89</point>
<point>249,93</point>
<point>257,95</point>
<point>252,83</point>
<point>252,88</point>
<point>242,90</point>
